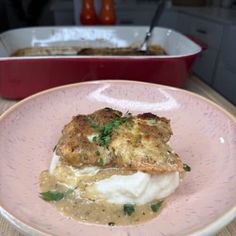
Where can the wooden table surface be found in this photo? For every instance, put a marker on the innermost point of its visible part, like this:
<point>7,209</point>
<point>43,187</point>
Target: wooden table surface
<point>194,85</point>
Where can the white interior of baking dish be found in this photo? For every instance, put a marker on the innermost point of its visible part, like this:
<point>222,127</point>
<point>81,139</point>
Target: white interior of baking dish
<point>174,43</point>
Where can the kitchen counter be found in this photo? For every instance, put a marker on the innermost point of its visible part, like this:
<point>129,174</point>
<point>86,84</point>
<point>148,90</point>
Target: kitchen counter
<point>194,85</point>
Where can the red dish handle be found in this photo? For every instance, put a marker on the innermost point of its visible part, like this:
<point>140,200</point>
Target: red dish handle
<point>198,41</point>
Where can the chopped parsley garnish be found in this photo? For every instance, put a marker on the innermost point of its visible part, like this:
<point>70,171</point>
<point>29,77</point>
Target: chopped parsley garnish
<point>186,167</point>
<point>128,209</point>
<point>55,195</point>
<point>155,207</point>
<point>52,196</point>
<point>103,139</point>
<point>101,162</point>
<point>105,130</point>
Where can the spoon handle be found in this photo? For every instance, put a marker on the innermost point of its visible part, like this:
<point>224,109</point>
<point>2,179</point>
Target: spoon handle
<point>157,15</point>
<point>160,8</point>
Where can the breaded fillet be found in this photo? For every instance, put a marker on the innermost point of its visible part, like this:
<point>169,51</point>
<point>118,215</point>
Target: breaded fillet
<point>75,50</point>
<point>109,139</point>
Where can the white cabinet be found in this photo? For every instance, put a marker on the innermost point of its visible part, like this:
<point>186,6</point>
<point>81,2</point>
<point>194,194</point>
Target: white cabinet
<point>63,12</point>
<point>143,16</point>
<point>183,23</point>
<point>205,65</point>
<point>211,34</point>
<point>207,31</point>
<point>225,81</point>
<point>225,76</point>
<point>169,19</point>
<point>217,65</point>
<point>137,17</point>
<point>228,46</point>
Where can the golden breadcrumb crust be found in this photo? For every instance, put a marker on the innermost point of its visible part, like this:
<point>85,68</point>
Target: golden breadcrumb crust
<point>108,138</point>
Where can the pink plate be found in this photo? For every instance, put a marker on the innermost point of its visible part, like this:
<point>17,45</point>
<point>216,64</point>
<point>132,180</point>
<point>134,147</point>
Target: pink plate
<point>204,136</point>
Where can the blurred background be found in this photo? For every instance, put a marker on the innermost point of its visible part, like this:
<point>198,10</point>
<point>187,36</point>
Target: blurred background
<point>18,13</point>
<point>211,21</point>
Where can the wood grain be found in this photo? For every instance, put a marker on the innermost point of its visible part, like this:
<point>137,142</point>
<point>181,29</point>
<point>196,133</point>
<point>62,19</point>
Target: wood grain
<point>194,85</point>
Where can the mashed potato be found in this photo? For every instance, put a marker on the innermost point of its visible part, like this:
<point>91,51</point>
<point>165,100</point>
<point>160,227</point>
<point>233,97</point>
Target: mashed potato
<point>137,188</point>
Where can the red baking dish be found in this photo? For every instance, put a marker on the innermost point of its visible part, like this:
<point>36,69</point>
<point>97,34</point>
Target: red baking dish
<point>23,76</point>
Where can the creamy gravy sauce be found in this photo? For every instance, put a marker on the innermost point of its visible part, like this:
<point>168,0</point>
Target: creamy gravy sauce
<point>94,211</point>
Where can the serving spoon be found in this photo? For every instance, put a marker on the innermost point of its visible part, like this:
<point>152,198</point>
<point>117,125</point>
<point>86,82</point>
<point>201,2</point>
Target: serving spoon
<point>160,8</point>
